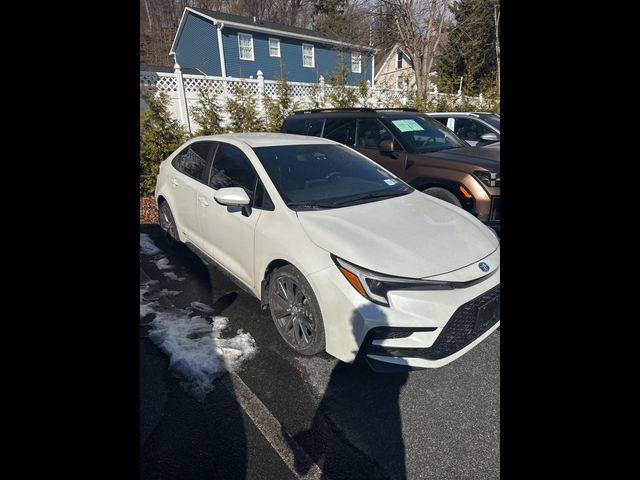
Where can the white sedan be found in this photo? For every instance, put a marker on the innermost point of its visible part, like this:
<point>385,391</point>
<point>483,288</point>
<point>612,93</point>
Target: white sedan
<point>348,258</point>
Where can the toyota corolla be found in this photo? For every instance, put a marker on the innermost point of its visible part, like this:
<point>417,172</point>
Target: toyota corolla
<point>347,257</point>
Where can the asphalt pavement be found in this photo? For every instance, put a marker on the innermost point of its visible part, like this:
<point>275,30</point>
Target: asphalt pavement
<point>353,423</point>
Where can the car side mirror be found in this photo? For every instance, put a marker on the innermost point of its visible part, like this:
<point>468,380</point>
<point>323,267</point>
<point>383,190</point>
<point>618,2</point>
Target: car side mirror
<point>232,197</point>
<point>386,145</point>
<point>489,137</point>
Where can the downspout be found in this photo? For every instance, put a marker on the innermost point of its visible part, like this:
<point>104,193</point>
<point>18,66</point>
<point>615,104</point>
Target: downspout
<point>220,26</point>
<point>373,69</point>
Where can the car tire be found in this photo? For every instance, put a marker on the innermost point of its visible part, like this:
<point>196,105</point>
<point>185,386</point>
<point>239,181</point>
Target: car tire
<point>443,194</point>
<point>295,311</point>
<point>168,224</point>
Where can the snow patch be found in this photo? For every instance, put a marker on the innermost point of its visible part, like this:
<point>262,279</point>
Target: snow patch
<point>165,292</point>
<point>147,247</point>
<point>201,307</point>
<point>173,276</point>
<point>197,353</point>
<point>163,264</point>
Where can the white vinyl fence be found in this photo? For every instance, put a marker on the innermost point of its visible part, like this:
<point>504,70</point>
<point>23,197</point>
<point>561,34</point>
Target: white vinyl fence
<point>182,90</point>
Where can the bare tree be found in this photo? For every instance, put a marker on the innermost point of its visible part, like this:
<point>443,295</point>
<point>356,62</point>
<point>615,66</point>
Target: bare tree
<point>419,25</point>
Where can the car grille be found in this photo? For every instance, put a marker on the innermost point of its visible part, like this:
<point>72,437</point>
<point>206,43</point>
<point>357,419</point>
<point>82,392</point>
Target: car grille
<point>468,323</point>
<point>495,209</point>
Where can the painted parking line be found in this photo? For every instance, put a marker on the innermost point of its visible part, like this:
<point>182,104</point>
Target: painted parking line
<point>284,445</point>
<point>287,448</point>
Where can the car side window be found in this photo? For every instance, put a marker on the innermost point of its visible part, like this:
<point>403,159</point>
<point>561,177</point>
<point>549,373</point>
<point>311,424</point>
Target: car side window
<point>370,132</point>
<point>442,120</point>
<point>297,126</point>
<point>314,126</point>
<point>261,199</point>
<point>232,168</point>
<point>470,129</point>
<point>340,130</point>
<point>193,159</point>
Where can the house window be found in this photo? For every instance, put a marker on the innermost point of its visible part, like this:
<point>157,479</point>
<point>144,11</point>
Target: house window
<point>307,55</point>
<point>356,62</point>
<point>274,47</point>
<point>245,42</point>
<point>399,63</point>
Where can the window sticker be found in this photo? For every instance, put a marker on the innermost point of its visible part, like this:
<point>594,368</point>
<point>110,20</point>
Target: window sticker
<point>407,125</point>
<point>388,181</point>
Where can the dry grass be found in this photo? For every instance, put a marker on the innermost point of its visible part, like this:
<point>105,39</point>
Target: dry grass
<point>148,210</point>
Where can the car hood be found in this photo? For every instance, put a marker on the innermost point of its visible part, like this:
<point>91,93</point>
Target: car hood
<point>487,157</point>
<point>413,236</point>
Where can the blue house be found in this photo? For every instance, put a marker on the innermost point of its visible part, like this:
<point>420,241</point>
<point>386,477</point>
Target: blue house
<point>225,45</point>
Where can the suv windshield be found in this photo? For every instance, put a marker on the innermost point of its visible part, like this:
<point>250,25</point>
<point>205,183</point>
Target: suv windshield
<point>310,177</point>
<point>420,135</point>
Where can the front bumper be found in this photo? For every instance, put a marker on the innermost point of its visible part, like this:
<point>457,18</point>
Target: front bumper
<point>420,329</point>
<point>469,325</point>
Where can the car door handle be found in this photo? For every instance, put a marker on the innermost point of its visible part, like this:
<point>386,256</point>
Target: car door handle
<point>203,201</point>
<point>175,182</point>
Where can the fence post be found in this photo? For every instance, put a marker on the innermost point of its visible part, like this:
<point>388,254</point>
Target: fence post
<point>182,98</point>
<point>481,100</point>
<point>366,97</point>
<point>321,94</point>
<point>261,108</point>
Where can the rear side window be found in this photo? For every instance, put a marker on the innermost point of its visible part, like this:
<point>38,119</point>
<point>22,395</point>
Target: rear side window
<point>371,132</point>
<point>295,125</point>
<point>302,126</point>
<point>340,130</point>
<point>232,168</point>
<point>192,160</point>
<point>314,126</point>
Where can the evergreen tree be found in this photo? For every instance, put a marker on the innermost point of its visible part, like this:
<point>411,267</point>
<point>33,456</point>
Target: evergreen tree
<point>160,136</point>
<point>279,108</point>
<point>244,115</point>
<point>207,114</point>
<point>340,95</point>
<point>470,51</point>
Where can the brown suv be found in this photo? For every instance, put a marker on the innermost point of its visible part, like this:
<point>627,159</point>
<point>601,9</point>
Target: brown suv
<point>416,148</point>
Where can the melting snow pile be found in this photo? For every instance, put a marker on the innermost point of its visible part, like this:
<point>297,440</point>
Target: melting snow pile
<point>192,336</point>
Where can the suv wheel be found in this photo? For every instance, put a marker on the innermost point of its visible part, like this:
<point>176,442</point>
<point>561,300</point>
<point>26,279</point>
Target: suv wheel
<point>443,194</point>
<point>295,311</point>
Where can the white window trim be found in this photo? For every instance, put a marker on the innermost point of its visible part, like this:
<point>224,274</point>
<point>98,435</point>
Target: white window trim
<point>275,40</point>
<point>240,46</point>
<point>313,55</point>
<point>359,70</point>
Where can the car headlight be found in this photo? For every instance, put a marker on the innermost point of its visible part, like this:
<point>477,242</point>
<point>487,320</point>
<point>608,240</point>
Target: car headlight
<point>490,179</point>
<point>375,286</point>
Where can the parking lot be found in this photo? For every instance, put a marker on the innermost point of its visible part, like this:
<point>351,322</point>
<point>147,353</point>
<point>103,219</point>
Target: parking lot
<point>339,421</point>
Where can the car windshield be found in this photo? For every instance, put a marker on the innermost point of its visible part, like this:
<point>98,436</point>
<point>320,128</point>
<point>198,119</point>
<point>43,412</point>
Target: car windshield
<point>492,120</point>
<point>421,135</point>
<point>310,177</point>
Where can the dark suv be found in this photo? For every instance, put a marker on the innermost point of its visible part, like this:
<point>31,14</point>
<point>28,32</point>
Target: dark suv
<point>416,148</point>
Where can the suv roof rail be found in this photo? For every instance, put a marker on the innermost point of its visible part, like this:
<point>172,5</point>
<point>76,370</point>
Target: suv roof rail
<point>355,109</point>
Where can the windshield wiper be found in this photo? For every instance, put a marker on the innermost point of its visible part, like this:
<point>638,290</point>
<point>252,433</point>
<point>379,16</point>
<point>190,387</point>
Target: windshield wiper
<point>369,196</point>
<point>311,205</point>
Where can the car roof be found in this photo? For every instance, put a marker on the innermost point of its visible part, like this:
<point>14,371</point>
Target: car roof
<point>266,139</point>
<point>355,112</point>
<point>472,114</point>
